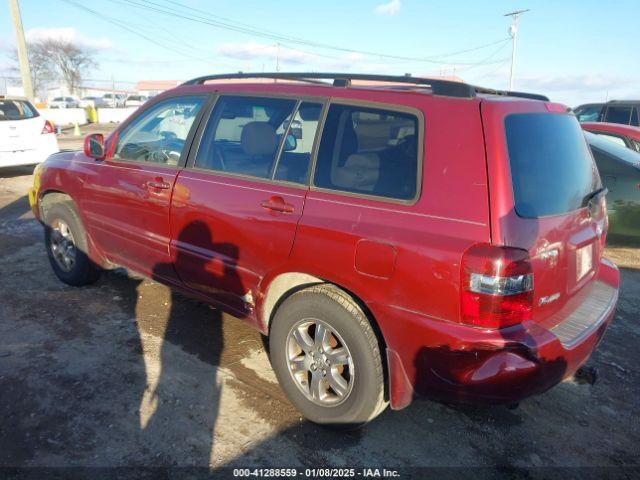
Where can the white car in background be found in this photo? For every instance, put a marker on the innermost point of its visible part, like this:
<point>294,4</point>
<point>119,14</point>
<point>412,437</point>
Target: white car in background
<point>26,138</point>
<point>114,100</point>
<point>64,102</point>
<point>135,100</point>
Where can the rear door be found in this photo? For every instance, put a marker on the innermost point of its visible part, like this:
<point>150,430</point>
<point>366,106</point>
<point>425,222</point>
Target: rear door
<point>236,207</point>
<point>541,174</point>
<point>127,198</point>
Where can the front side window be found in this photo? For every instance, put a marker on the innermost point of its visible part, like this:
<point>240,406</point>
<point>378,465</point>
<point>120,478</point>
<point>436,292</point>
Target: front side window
<point>369,151</point>
<point>159,134</point>
<point>588,113</point>
<point>244,134</point>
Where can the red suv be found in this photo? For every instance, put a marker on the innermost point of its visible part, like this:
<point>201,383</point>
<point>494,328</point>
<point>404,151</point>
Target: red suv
<point>391,235</point>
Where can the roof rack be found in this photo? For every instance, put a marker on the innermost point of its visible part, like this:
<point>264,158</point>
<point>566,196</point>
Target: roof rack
<point>447,88</point>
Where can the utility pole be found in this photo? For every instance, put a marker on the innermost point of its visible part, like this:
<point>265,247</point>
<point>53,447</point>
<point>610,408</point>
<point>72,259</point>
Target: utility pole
<point>23,59</point>
<point>278,57</point>
<point>513,31</point>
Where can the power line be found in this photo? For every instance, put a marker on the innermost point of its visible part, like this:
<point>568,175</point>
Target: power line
<point>254,31</point>
<point>124,26</point>
<point>208,14</point>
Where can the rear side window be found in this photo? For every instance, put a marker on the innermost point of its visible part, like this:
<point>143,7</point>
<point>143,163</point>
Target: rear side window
<point>293,164</point>
<point>244,134</point>
<point>369,151</point>
<point>16,110</point>
<point>619,115</point>
<point>552,169</point>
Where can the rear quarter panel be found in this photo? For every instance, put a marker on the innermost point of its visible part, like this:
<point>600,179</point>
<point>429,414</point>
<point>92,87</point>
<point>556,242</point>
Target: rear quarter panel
<point>345,239</point>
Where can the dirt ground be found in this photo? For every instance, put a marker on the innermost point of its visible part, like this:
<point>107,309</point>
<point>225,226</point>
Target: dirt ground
<point>125,373</point>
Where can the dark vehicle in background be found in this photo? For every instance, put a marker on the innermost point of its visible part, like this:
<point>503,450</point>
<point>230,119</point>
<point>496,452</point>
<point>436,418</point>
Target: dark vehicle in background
<point>624,135</point>
<point>625,112</point>
<point>620,173</point>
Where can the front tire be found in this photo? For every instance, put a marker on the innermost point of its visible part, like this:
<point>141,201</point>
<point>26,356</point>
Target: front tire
<point>326,357</point>
<point>67,245</point>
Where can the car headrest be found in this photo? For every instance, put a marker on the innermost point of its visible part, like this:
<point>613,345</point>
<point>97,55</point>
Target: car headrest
<point>258,138</point>
<point>361,171</point>
<point>363,160</point>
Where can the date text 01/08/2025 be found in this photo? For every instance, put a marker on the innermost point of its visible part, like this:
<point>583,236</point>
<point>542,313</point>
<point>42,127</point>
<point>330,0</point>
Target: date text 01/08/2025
<point>316,473</point>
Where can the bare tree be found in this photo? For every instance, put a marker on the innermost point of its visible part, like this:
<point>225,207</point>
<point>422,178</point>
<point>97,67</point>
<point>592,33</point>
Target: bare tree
<point>71,61</point>
<point>43,70</point>
<point>53,59</point>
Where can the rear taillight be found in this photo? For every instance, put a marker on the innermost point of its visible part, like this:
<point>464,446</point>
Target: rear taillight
<point>48,127</point>
<point>497,286</point>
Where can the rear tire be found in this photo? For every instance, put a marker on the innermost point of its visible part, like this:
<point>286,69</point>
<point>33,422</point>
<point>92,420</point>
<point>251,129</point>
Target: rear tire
<point>67,245</point>
<point>326,357</point>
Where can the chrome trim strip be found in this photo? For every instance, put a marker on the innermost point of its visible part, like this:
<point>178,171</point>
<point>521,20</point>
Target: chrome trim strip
<point>587,317</point>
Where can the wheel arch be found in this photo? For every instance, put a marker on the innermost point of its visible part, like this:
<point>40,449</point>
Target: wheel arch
<point>53,196</point>
<point>285,284</point>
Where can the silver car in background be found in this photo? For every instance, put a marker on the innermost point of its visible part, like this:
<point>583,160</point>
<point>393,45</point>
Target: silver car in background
<point>64,102</point>
<point>90,101</point>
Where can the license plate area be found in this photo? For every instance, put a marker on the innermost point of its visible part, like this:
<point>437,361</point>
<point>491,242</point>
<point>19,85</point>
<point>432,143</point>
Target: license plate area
<point>584,261</point>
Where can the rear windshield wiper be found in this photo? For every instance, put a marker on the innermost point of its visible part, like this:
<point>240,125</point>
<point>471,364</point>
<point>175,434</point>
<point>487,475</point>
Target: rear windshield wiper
<point>590,196</point>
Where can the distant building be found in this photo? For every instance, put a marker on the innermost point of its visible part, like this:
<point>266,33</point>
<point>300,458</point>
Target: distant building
<point>83,91</point>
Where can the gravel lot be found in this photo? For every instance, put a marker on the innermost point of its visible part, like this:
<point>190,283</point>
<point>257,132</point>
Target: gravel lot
<point>126,373</point>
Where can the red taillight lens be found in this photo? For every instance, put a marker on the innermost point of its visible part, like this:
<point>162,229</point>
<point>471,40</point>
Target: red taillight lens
<point>48,127</point>
<point>497,286</point>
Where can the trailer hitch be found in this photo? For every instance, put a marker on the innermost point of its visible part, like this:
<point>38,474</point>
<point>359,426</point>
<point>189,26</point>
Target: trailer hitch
<point>586,375</point>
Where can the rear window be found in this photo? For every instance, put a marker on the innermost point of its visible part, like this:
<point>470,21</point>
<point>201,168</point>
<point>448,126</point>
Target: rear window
<point>551,165</point>
<point>16,110</point>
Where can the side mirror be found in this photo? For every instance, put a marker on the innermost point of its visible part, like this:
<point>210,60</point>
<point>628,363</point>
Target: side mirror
<point>94,146</point>
<point>290,143</point>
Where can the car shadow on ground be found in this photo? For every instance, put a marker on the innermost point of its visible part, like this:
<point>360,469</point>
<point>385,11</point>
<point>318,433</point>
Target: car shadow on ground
<point>19,171</point>
<point>196,329</point>
<point>15,209</point>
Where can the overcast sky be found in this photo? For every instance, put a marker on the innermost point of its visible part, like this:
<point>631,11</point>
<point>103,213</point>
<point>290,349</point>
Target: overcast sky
<point>574,50</point>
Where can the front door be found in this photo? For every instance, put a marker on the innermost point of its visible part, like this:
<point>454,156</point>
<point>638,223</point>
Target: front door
<point>128,195</point>
<point>242,196</point>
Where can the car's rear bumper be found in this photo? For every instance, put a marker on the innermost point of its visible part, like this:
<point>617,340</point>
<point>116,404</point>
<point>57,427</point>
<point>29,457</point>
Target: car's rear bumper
<point>47,145</point>
<point>453,362</point>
